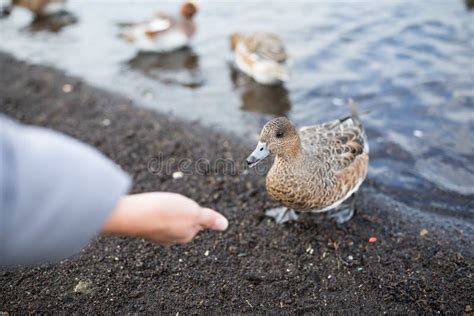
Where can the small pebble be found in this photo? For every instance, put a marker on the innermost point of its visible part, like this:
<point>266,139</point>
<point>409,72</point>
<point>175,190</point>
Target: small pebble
<point>177,175</point>
<point>67,88</point>
<point>423,232</point>
<point>83,287</point>
<point>106,122</point>
<point>206,253</point>
<point>417,133</point>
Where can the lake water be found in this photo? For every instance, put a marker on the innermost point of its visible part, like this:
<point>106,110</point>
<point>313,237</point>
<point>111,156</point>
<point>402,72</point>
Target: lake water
<point>409,64</point>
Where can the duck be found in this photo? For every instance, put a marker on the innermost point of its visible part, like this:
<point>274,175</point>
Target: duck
<point>261,56</point>
<point>164,33</point>
<point>316,168</point>
<point>37,7</point>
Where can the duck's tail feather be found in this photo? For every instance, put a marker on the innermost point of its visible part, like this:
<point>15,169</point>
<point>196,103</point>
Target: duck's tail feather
<point>353,107</point>
<point>356,118</point>
<point>354,113</point>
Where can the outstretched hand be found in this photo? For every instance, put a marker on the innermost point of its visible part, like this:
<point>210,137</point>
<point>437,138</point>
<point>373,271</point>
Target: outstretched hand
<point>166,218</point>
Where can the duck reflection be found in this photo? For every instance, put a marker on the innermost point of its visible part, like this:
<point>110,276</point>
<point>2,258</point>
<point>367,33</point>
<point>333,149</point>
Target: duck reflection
<point>273,100</point>
<point>180,67</point>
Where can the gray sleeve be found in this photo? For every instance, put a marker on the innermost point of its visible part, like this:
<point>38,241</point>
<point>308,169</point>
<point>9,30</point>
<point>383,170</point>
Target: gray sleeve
<point>55,193</point>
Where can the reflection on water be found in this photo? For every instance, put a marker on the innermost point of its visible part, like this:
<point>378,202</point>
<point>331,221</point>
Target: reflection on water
<point>54,22</point>
<point>259,98</point>
<point>409,62</point>
<point>180,67</point>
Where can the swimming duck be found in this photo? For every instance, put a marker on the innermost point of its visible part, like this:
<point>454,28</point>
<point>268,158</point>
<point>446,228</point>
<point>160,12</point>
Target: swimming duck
<point>164,33</point>
<point>38,7</point>
<point>316,168</point>
<point>261,56</point>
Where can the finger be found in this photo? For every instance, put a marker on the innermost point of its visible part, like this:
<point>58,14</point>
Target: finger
<point>210,219</point>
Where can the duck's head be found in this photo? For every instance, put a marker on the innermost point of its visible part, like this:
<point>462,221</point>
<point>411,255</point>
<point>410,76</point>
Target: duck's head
<point>279,137</point>
<point>189,9</point>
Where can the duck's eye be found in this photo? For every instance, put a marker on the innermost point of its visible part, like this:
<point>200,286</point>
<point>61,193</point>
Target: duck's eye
<point>279,134</point>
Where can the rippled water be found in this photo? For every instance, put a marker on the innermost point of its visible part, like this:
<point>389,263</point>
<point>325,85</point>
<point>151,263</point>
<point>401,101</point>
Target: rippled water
<point>411,65</point>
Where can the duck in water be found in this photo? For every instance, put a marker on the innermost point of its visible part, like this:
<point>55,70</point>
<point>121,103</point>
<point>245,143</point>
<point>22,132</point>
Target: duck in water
<point>261,56</point>
<point>163,33</point>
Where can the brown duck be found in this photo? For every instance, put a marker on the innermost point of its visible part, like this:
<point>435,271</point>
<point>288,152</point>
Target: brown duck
<point>38,7</point>
<point>260,55</point>
<point>164,33</point>
<point>316,168</point>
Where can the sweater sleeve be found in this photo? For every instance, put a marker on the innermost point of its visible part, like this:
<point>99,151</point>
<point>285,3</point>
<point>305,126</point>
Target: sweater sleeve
<point>55,193</point>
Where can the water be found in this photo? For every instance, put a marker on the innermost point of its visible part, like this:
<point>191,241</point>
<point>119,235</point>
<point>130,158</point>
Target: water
<point>411,65</point>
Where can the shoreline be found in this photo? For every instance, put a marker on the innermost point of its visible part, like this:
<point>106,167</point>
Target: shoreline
<point>256,266</point>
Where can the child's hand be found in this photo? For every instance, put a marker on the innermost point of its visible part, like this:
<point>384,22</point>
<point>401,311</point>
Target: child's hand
<point>166,218</point>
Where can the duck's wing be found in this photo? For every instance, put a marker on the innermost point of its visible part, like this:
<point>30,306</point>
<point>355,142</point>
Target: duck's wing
<point>160,23</point>
<point>338,142</point>
<point>265,45</point>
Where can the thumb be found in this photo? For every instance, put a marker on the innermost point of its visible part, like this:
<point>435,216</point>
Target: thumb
<point>210,219</point>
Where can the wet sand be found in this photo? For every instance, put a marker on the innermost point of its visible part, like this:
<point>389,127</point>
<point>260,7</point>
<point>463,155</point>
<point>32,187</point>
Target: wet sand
<point>255,266</point>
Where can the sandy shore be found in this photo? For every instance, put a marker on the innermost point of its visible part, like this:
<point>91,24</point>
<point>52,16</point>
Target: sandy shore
<point>256,266</point>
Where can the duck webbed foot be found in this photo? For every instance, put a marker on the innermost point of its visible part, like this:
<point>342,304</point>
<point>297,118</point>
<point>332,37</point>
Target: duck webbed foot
<point>342,213</point>
<point>281,214</point>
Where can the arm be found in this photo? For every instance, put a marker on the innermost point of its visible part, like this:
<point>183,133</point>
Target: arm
<point>57,193</point>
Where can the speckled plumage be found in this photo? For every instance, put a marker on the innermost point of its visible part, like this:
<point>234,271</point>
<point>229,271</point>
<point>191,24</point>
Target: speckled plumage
<point>264,44</point>
<point>317,167</point>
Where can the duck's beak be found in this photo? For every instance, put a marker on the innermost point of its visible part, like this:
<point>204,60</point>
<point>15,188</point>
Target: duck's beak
<point>260,153</point>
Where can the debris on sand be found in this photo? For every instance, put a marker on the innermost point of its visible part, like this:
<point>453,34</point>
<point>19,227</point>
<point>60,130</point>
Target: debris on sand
<point>468,309</point>
<point>372,239</point>
<point>177,175</point>
<point>83,287</point>
<point>67,88</point>
<point>106,122</point>
<point>423,232</point>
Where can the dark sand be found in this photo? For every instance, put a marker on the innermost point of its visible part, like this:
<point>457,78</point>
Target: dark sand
<point>256,266</point>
